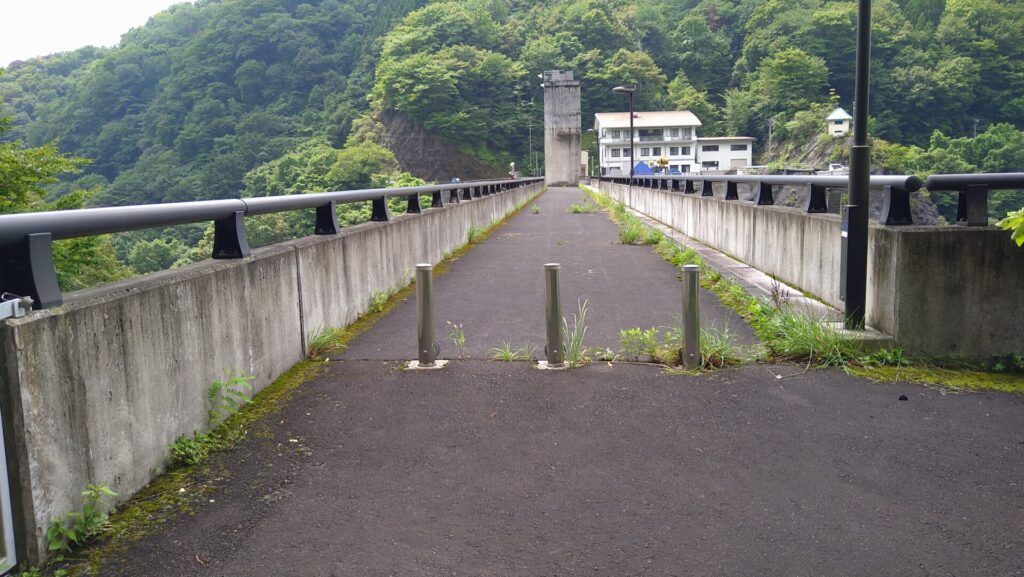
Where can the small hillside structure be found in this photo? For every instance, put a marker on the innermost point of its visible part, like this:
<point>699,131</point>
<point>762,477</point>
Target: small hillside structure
<point>839,122</point>
<point>669,135</point>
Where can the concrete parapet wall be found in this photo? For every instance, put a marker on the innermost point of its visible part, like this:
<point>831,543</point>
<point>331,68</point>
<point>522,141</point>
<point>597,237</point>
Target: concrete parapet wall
<point>95,390</point>
<point>936,290</point>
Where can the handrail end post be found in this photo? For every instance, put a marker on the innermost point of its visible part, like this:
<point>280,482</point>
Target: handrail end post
<point>27,270</point>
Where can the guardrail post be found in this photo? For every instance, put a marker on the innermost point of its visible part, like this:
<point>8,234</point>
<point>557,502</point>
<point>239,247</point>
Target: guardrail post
<point>453,196</point>
<point>691,316</point>
<point>731,192</point>
<point>764,194</point>
<point>436,201</point>
<point>553,315</point>
<point>972,205</point>
<point>26,269</point>
<point>425,318</point>
<point>380,210</point>
<point>326,219</point>
<point>896,208</point>
<point>229,240</point>
<point>688,187</point>
<point>706,189</point>
<point>816,202</point>
<point>413,204</point>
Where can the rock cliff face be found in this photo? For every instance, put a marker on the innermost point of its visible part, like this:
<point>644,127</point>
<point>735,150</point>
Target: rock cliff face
<point>817,153</point>
<point>431,157</point>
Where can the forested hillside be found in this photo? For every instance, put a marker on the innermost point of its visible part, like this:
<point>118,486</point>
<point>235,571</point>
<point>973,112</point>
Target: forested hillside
<point>255,97</point>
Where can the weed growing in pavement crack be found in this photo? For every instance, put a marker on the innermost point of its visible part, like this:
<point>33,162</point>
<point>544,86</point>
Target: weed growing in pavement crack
<point>572,337</point>
<point>457,336</point>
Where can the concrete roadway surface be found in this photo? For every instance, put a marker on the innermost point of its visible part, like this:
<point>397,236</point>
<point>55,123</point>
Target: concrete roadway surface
<point>488,468</point>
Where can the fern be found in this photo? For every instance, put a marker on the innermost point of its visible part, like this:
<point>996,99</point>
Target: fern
<point>227,397</point>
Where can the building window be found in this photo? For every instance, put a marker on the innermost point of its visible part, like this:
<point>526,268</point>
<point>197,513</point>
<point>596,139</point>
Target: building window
<point>674,133</point>
<point>651,134</point>
<point>710,164</point>
<point>615,152</point>
<point>645,152</point>
<point>685,168</point>
<point>837,122</point>
<point>687,132</point>
<point>673,151</point>
<point>738,147</point>
<point>627,153</point>
<point>656,151</point>
<point>604,133</point>
<point>686,151</point>
<point>710,148</point>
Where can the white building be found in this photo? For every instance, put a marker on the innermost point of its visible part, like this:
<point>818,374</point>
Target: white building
<point>668,135</point>
<point>671,135</point>
<point>839,122</point>
<point>724,153</point>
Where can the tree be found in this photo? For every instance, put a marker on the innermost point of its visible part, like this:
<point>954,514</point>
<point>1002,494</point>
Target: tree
<point>80,262</point>
<point>789,81</point>
<point>148,256</point>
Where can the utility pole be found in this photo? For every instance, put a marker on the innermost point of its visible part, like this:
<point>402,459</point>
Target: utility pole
<point>856,217</point>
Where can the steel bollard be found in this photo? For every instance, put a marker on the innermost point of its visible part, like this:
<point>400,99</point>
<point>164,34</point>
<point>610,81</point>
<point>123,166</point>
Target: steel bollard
<point>553,314</point>
<point>425,318</point>
<point>691,316</point>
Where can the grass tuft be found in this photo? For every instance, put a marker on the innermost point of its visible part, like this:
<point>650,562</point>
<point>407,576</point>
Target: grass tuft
<point>572,337</point>
<point>507,352</point>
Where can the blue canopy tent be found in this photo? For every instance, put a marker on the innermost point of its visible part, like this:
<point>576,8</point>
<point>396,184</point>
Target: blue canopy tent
<point>642,168</point>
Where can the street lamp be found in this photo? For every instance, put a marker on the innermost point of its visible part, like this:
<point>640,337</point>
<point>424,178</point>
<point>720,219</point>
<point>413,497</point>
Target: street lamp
<point>597,145</point>
<point>856,217</point>
<point>629,90</point>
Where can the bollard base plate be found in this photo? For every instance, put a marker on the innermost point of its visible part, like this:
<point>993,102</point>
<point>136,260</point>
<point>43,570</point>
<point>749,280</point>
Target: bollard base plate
<point>545,366</point>
<point>415,365</point>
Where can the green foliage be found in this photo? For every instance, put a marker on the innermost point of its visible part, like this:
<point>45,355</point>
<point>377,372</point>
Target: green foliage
<point>637,342</point>
<point>77,528</point>
<point>507,352</point>
<point>474,233</point>
<point>632,231</point>
<point>582,208</point>
<point>322,341</point>
<point>457,336</point>
<point>378,301</point>
<point>886,358</point>
<point>152,255</point>
<point>535,209</point>
<point>717,348</point>
<point>191,451</point>
<point>227,397</point>
<point>1014,222</point>
<point>572,336</point>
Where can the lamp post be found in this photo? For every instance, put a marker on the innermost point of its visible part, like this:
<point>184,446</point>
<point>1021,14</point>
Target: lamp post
<point>597,145</point>
<point>629,90</point>
<point>860,174</point>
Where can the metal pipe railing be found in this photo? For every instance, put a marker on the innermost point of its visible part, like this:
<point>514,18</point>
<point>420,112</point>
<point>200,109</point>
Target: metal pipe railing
<point>973,189</point>
<point>26,256</point>
<point>896,210</point>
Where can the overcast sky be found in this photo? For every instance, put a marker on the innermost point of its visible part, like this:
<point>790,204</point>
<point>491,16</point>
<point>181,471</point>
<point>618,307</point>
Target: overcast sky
<point>39,27</point>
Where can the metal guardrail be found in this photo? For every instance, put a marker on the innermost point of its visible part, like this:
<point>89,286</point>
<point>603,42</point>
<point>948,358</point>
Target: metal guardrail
<point>896,209</point>
<point>26,239</point>
<point>973,189</point>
